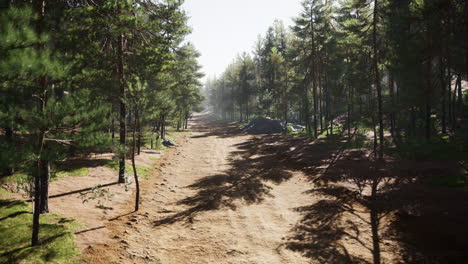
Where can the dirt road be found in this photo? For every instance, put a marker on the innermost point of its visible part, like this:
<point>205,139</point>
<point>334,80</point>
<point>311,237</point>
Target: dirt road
<point>226,197</point>
<point>202,210</point>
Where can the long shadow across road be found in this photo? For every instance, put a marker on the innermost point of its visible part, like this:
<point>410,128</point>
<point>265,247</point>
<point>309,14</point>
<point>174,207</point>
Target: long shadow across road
<point>352,185</point>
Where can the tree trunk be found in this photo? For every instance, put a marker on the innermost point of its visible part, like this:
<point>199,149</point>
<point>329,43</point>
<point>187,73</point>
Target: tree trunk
<point>41,135</point>
<point>139,138</point>
<point>9,139</point>
<point>163,127</point>
<point>123,126</point>
<point>314,76</point>
<point>428,99</point>
<point>465,11</point>
<point>348,111</point>
<point>377,79</point>
<point>459,98</point>
<point>320,91</point>
<point>314,87</point>
<point>392,111</point>
<point>38,188</point>
<point>113,129</point>
<point>444,103</point>
<point>454,106</point>
<point>306,111</point>
<point>37,205</point>
<point>449,95</point>
<point>45,177</point>
<point>135,174</point>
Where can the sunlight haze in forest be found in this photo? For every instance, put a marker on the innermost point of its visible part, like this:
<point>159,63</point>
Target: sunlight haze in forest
<point>222,29</point>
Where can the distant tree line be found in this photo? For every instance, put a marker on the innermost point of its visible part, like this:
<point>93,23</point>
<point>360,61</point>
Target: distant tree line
<point>75,76</point>
<point>394,66</point>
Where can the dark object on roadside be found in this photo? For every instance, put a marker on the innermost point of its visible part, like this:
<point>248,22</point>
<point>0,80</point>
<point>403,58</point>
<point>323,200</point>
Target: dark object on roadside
<point>261,125</point>
<point>169,143</point>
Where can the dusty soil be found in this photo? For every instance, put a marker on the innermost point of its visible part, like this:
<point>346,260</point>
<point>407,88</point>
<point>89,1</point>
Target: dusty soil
<point>65,197</point>
<point>219,199</point>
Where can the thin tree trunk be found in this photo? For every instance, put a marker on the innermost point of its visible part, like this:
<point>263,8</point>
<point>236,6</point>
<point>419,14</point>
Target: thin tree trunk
<point>428,99</point>
<point>348,111</point>
<point>320,91</point>
<point>123,126</point>
<point>413,122</point>
<point>377,80</point>
<point>315,107</point>
<point>459,98</point>
<point>465,11</point>
<point>454,106</point>
<point>9,139</point>
<point>139,138</point>
<point>113,129</point>
<point>392,111</point>
<point>314,76</point>
<point>41,136</point>
<point>444,103</point>
<point>241,117</point>
<point>45,177</point>
<point>37,191</point>
<point>247,110</point>
<point>306,111</point>
<point>135,174</point>
<point>449,95</point>
<point>374,125</point>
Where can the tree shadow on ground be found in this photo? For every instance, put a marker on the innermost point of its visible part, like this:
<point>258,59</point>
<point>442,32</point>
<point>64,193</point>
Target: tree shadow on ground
<point>247,180</point>
<point>430,223</point>
<point>360,203</point>
<point>267,159</point>
<point>319,234</point>
<point>210,126</point>
<point>219,129</point>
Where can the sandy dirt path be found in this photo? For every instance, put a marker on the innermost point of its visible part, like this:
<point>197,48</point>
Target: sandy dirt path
<point>202,210</point>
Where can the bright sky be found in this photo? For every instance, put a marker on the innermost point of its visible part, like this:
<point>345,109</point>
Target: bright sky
<point>222,29</point>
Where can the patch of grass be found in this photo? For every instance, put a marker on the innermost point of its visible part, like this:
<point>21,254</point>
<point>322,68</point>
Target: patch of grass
<point>18,177</point>
<point>160,146</point>
<point>340,142</point>
<point>112,164</point>
<point>336,131</point>
<point>157,145</point>
<point>142,171</point>
<point>153,158</point>
<point>56,238</point>
<point>75,172</point>
<point>61,171</point>
<point>4,193</point>
<point>169,137</point>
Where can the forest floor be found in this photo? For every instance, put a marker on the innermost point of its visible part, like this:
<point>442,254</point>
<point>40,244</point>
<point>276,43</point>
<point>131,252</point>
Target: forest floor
<point>222,196</point>
<point>226,197</point>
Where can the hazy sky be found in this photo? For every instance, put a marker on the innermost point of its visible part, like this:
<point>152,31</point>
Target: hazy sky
<point>224,28</point>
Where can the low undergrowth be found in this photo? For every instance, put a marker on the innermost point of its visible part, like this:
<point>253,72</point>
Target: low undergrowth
<point>56,236</point>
